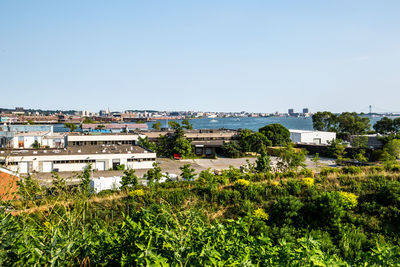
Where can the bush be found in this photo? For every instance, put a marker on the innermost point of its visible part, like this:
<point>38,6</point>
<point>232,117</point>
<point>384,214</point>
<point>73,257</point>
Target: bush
<point>389,194</point>
<point>136,193</point>
<point>352,170</point>
<point>306,172</point>
<point>261,214</point>
<point>307,182</point>
<point>286,210</point>
<point>242,183</point>
<point>349,200</point>
<point>329,170</point>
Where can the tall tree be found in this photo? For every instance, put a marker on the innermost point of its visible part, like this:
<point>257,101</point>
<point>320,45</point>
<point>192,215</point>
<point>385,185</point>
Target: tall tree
<point>352,124</point>
<point>290,159</point>
<point>186,125</point>
<point>253,142</point>
<point>187,172</point>
<point>276,133</point>
<point>325,121</point>
<point>384,126</point>
<point>156,126</point>
<point>71,126</point>
<point>129,178</point>
<point>263,162</point>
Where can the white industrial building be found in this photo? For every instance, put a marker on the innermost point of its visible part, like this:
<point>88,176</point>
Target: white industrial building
<point>102,158</point>
<point>105,183</point>
<point>311,137</point>
<point>27,136</point>
<point>75,140</point>
<point>43,139</point>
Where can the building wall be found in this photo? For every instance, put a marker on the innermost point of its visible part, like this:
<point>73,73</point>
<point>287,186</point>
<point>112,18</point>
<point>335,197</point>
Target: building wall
<point>323,136</point>
<point>78,162</point>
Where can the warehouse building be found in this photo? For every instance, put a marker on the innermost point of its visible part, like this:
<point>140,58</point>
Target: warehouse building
<point>103,157</point>
<point>311,137</point>
<point>30,136</point>
<point>75,140</point>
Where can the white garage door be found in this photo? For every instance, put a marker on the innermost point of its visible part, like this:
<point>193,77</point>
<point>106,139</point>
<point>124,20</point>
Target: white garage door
<point>47,166</point>
<point>101,165</point>
<point>23,167</point>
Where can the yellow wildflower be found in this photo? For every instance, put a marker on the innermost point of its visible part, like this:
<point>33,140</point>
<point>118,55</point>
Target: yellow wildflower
<point>261,214</point>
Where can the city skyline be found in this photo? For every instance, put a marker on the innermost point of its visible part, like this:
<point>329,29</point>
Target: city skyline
<point>226,56</point>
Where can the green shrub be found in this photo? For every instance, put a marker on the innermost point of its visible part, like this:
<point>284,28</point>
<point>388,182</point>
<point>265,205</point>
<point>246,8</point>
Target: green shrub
<point>329,170</point>
<point>286,210</point>
<point>352,170</point>
<point>307,172</point>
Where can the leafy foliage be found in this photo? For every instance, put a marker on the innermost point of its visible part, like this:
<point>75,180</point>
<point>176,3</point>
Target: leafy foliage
<point>276,133</point>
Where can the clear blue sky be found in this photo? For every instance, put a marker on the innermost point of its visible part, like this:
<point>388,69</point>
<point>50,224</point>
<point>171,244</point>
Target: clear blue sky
<point>260,56</point>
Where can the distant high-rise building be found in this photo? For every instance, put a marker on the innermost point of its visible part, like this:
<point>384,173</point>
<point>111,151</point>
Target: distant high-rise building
<point>291,111</point>
<point>306,110</point>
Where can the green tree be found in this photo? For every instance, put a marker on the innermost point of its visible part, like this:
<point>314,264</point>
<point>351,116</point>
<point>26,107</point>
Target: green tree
<point>290,159</point>
<point>144,142</point>
<point>186,125</point>
<point>396,125</point>
<point>154,174</point>
<point>178,143</point>
<point>231,150</point>
<point>352,124</point>
<point>71,126</point>
<point>276,133</point>
<point>36,144</point>
<point>316,160</point>
<point>393,148</point>
<point>28,189</point>
<point>325,121</point>
<point>59,184</point>
<point>188,173</point>
<point>360,144</point>
<point>85,178</point>
<point>129,178</point>
<point>263,162</point>
<point>174,125</point>
<point>384,126</point>
<point>156,125</point>
<point>88,121</point>
<point>253,142</point>
<point>337,149</point>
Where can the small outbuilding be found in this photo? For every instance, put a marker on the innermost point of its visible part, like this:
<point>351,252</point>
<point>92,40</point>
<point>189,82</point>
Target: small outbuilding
<point>311,137</point>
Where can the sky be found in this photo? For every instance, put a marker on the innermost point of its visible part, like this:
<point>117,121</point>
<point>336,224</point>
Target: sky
<point>256,56</point>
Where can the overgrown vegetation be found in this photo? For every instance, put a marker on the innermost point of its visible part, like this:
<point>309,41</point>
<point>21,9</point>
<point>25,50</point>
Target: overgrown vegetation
<point>247,216</point>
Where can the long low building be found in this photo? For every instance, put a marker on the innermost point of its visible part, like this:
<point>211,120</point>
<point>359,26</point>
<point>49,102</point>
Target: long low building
<point>77,139</point>
<point>102,158</point>
<point>311,137</point>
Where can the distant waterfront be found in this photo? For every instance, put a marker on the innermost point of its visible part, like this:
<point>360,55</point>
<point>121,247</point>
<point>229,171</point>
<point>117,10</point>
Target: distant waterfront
<point>254,124</point>
<point>243,123</point>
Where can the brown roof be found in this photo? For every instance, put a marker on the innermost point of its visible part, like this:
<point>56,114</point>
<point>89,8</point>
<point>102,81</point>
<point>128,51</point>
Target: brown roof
<point>8,185</point>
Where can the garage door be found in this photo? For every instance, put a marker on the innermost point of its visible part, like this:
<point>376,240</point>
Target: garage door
<point>101,165</point>
<point>23,167</point>
<point>47,166</point>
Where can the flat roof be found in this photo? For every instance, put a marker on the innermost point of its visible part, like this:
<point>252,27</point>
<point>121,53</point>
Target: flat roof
<point>308,131</point>
<point>84,150</point>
